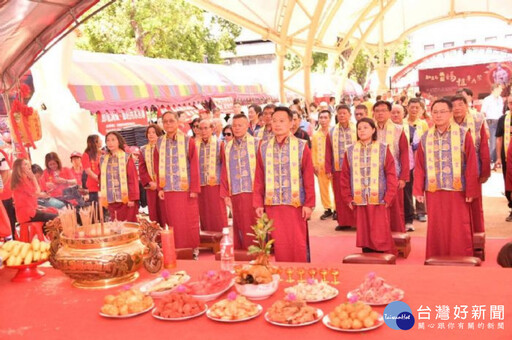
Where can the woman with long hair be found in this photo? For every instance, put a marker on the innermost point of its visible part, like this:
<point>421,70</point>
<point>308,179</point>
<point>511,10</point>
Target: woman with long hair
<point>25,192</point>
<point>55,177</point>
<point>368,186</point>
<point>119,183</point>
<point>148,175</point>
<point>91,166</point>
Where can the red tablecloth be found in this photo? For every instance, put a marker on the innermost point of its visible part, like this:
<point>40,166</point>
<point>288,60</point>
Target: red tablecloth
<point>50,308</point>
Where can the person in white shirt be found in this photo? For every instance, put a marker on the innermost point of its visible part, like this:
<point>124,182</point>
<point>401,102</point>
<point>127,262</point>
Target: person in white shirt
<point>492,109</point>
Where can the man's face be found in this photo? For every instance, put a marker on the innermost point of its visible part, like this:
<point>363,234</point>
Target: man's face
<point>267,116</point>
<point>295,122</point>
<point>381,114</point>
<point>397,114</point>
<point>414,110</point>
<point>343,116</point>
<point>205,129</point>
<point>237,108</point>
<point>239,127</point>
<point>324,119</point>
<point>360,113</point>
<point>441,114</point>
<point>170,123</point>
<point>281,124</point>
<point>459,109</point>
<point>252,114</point>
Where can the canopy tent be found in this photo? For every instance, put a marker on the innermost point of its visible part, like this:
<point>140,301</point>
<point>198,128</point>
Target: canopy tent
<point>336,26</point>
<point>100,82</point>
<point>27,27</point>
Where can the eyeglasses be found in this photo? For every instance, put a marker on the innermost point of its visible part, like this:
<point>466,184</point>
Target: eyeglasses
<point>228,134</point>
<point>195,126</point>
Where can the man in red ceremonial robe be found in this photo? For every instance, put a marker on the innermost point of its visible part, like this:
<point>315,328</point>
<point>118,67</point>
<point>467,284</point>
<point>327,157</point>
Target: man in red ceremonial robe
<point>237,187</point>
<point>393,135</point>
<point>475,123</point>
<point>178,181</point>
<point>212,208</point>
<point>284,188</point>
<point>446,169</point>
<point>265,132</point>
<point>345,134</point>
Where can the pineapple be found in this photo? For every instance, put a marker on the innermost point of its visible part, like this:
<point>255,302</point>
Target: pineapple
<point>259,270</point>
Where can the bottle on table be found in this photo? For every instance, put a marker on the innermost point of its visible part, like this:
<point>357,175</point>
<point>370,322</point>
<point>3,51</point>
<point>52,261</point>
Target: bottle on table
<point>227,257</point>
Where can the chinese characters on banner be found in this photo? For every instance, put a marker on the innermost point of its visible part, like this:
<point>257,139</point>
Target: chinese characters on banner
<point>112,121</point>
<point>461,317</point>
<point>225,104</point>
<point>479,78</point>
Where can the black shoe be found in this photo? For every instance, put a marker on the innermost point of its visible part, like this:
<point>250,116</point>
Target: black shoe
<point>342,227</point>
<point>509,218</point>
<point>326,215</point>
<point>335,215</point>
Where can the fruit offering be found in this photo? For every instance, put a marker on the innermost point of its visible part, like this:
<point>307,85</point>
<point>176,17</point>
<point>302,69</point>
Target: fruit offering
<point>312,290</point>
<point>235,307</point>
<point>353,316</point>
<point>167,282</point>
<point>16,253</point>
<point>374,290</point>
<point>125,303</point>
<point>178,305</point>
<point>291,311</point>
<point>211,282</point>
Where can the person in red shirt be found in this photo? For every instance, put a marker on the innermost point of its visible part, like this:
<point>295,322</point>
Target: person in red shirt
<point>76,167</point>
<point>25,191</point>
<point>90,163</point>
<point>56,178</point>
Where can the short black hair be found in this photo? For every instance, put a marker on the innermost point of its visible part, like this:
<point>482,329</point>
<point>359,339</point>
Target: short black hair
<point>467,91</point>
<point>285,109</point>
<point>256,108</point>
<point>362,107</point>
<point>269,106</point>
<point>343,106</point>
<point>372,124</point>
<point>442,100</point>
<point>324,111</point>
<point>240,115</point>
<point>459,97</point>
<point>382,102</point>
<point>414,101</point>
<point>296,101</point>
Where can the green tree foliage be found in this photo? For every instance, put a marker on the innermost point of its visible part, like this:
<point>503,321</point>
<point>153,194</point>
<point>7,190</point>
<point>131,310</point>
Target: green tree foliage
<point>171,29</point>
<point>293,62</point>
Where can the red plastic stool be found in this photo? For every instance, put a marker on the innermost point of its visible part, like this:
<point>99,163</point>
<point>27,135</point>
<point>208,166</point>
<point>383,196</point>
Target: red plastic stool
<point>29,229</point>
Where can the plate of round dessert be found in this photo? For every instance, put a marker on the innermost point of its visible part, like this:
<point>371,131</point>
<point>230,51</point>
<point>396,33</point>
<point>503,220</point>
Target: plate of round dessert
<point>126,304</point>
<point>236,308</point>
<point>211,285</point>
<point>178,307</point>
<point>353,317</point>
<point>293,313</point>
<point>164,284</point>
<point>374,291</point>
<point>313,291</point>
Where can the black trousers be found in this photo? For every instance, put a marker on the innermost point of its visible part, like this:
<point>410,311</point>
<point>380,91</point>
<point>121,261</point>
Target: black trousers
<point>408,201</point>
<point>507,193</point>
<point>9,209</point>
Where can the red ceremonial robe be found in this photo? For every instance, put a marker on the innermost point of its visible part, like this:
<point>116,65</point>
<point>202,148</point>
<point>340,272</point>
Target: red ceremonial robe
<point>477,210</point>
<point>396,210</point>
<point>212,208</point>
<point>291,231</point>
<point>121,211</point>
<point>244,215</point>
<point>345,214</point>
<point>449,231</point>
<point>181,210</point>
<point>156,207</point>
<point>372,220</point>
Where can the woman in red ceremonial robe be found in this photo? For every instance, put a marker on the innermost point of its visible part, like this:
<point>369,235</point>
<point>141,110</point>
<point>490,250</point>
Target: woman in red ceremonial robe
<point>91,165</point>
<point>55,177</point>
<point>178,185</point>
<point>25,191</point>
<point>450,190</point>
<point>291,199</point>
<point>148,175</point>
<point>368,186</point>
<point>119,182</point>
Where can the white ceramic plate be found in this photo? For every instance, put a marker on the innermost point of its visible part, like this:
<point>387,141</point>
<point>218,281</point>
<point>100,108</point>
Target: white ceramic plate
<point>213,296</point>
<point>318,311</point>
<point>336,292</point>
<point>260,309</point>
<point>179,319</point>
<point>327,322</point>
<point>128,315</point>
<point>147,286</point>
<point>355,292</point>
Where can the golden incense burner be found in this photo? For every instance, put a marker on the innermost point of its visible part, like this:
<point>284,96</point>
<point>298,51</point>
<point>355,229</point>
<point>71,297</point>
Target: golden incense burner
<point>109,259</point>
